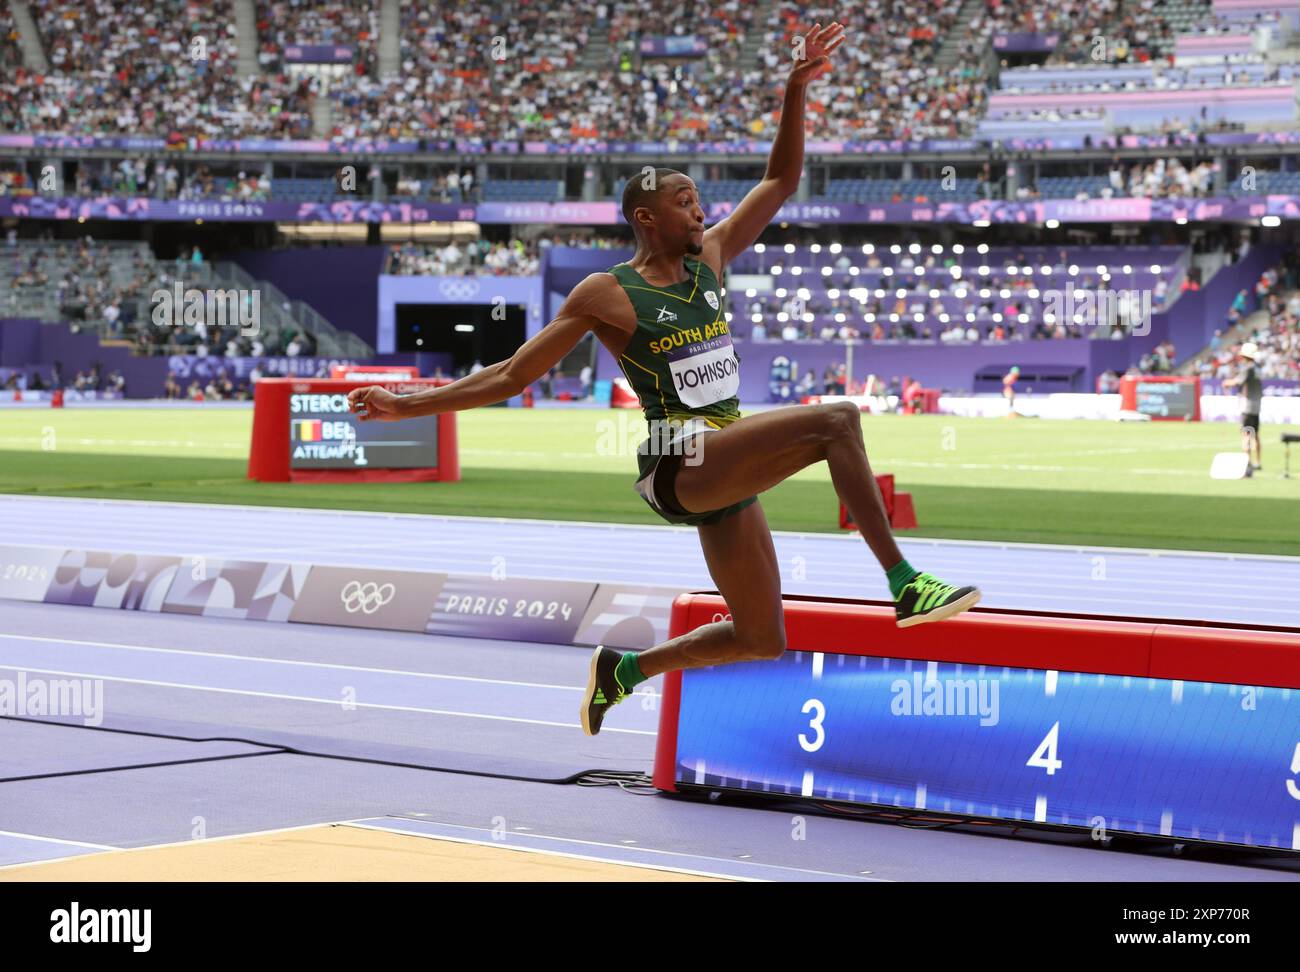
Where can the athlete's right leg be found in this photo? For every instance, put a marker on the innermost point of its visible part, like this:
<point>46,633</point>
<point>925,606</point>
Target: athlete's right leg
<point>742,563</point>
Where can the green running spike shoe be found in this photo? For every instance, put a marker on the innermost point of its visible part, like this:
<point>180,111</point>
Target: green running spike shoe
<point>926,598</point>
<point>603,690</point>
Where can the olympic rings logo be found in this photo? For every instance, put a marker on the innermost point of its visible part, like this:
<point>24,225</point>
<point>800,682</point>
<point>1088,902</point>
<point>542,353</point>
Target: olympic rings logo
<point>459,289</point>
<point>366,598</point>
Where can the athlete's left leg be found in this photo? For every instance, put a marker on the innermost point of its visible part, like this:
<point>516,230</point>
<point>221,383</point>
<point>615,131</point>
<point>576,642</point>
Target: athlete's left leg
<point>755,453</point>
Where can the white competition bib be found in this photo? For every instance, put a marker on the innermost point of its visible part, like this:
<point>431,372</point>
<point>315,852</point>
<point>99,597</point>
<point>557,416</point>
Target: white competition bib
<point>705,373</point>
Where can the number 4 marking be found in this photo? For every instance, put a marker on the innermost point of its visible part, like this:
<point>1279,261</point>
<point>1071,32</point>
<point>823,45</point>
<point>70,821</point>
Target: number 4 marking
<point>1045,754</point>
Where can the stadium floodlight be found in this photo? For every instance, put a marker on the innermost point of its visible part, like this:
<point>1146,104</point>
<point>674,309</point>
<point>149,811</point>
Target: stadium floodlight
<point>936,249</point>
<point>895,249</point>
<point>1128,268</point>
<point>960,294</point>
<point>781,293</point>
<point>783,317</point>
<point>997,318</point>
<point>868,248</point>
<point>757,318</point>
<point>958,249</point>
<point>1012,271</point>
<point>900,292</point>
<point>728,315</point>
<point>789,248</point>
<point>1263,221</point>
<point>879,293</point>
<point>934,294</point>
<point>854,271</point>
<point>982,249</point>
<point>918,271</point>
<point>918,318</point>
<point>970,316</point>
<point>1045,270</point>
<point>751,292</point>
<point>1049,318</point>
<point>914,248</point>
<point>1052,223</point>
<point>983,270</point>
<point>955,270</point>
<point>1023,318</point>
<point>888,271</point>
<point>808,317</point>
<point>869,318</point>
<point>804,293</point>
<point>826,271</point>
<point>1027,271</point>
<point>981,223</point>
<point>839,318</point>
<point>1101,268</point>
<point>760,247</point>
<point>796,270</point>
<point>815,248</point>
<point>1155,268</point>
<point>943,318</point>
<point>1004,293</point>
<point>835,248</point>
<point>833,294</point>
<point>776,270</point>
<point>1033,293</point>
<point>465,328</point>
<point>984,293</point>
<point>893,318</point>
<point>1073,270</point>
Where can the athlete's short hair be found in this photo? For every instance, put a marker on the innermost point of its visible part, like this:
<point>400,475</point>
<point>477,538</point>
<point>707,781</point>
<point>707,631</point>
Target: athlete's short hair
<point>636,194</point>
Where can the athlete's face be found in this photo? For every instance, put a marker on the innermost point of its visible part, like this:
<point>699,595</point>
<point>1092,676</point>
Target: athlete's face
<point>681,217</point>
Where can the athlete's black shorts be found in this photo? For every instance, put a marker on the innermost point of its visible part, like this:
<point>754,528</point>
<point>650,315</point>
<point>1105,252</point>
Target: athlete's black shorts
<point>1250,422</point>
<point>657,486</point>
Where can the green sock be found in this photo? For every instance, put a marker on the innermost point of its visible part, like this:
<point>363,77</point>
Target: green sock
<point>628,672</point>
<point>898,577</point>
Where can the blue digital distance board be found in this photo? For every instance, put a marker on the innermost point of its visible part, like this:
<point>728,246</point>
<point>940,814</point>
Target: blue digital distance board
<point>1179,759</point>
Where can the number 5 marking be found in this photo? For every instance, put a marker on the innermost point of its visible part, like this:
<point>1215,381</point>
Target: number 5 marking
<point>1295,768</point>
<point>1045,754</point>
<point>813,705</point>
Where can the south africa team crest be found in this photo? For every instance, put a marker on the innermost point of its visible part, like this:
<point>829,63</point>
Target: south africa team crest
<point>712,298</point>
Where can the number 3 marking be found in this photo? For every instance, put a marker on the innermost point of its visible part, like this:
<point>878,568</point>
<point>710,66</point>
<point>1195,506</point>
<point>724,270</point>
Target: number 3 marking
<point>813,705</point>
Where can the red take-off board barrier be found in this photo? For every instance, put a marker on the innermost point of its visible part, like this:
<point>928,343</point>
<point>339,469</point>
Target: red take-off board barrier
<point>292,415</point>
<point>1142,647</point>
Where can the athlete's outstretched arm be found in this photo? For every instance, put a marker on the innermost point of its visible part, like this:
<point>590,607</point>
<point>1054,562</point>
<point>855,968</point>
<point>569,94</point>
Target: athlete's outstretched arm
<point>737,232</point>
<point>497,382</point>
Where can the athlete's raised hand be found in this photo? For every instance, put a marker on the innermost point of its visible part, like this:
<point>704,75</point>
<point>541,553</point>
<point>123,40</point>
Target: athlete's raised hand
<point>813,50</point>
<point>374,404</point>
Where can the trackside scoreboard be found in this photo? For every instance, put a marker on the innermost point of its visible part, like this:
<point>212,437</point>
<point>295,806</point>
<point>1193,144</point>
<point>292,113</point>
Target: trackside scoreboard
<point>1171,397</point>
<point>303,431</point>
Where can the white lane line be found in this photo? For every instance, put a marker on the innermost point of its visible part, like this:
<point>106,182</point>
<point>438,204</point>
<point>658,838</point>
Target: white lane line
<point>367,824</point>
<point>330,702</point>
<point>662,530</point>
<point>303,664</point>
<point>107,849</point>
<point>55,840</point>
